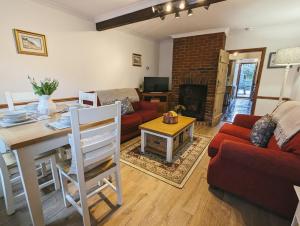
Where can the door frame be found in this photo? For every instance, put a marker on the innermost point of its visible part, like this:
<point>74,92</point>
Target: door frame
<point>239,77</point>
<point>261,65</point>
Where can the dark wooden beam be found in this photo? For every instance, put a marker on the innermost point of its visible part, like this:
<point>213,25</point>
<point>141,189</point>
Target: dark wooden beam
<point>146,14</point>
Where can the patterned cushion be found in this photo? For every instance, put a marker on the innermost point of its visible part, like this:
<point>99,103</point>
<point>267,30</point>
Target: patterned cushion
<point>126,106</point>
<point>262,131</point>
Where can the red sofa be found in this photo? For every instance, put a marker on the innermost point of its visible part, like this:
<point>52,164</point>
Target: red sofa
<point>143,112</point>
<point>264,176</point>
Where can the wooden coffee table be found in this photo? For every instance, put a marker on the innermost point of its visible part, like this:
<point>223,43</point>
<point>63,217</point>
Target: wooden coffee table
<point>169,132</point>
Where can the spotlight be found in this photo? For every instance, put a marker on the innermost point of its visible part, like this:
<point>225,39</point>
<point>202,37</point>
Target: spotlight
<point>207,4</point>
<point>235,54</point>
<point>153,9</point>
<point>169,7</point>
<point>177,15</point>
<point>206,7</point>
<point>190,12</point>
<point>182,5</point>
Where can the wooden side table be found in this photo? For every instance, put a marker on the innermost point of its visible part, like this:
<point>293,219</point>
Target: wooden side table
<point>296,218</point>
<point>161,98</point>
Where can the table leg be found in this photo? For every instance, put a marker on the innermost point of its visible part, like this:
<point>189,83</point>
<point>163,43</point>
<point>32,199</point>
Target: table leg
<point>294,223</point>
<point>25,160</point>
<point>295,220</point>
<point>143,141</point>
<point>169,149</point>
<point>192,132</point>
<point>1,189</point>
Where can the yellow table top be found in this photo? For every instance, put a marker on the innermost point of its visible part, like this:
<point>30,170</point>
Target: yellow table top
<point>157,126</point>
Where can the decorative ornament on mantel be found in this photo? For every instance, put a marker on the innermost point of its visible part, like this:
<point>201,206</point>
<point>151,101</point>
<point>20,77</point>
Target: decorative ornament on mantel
<point>44,90</point>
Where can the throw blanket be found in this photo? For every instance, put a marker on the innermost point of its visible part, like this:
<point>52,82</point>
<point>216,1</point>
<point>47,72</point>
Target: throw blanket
<point>111,95</point>
<point>287,116</point>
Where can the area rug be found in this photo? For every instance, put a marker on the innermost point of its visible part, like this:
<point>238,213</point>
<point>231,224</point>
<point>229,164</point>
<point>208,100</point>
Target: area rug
<point>176,173</point>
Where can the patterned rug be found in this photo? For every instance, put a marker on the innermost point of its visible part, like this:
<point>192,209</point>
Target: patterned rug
<point>176,173</point>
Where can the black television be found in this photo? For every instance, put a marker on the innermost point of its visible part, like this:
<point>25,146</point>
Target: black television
<point>156,84</point>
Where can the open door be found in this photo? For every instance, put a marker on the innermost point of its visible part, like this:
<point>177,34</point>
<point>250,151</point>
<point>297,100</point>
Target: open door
<point>220,87</point>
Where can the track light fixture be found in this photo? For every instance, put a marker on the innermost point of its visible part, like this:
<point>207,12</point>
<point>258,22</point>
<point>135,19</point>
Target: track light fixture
<point>176,6</point>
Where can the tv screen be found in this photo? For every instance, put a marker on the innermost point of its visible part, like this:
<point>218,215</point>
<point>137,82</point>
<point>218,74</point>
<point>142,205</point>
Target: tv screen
<point>156,84</point>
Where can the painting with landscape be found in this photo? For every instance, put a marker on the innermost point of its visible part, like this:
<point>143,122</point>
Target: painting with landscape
<point>31,43</point>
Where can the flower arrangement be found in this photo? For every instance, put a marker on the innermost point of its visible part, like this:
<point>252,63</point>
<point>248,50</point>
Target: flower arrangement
<point>179,108</point>
<point>45,87</point>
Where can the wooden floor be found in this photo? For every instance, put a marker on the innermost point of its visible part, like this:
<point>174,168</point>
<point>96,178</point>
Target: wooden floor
<point>148,201</point>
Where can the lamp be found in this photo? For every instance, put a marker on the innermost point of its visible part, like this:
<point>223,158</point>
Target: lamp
<point>287,57</point>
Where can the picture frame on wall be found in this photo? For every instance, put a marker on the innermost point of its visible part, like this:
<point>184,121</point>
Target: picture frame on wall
<point>30,43</point>
<point>271,61</point>
<point>136,60</point>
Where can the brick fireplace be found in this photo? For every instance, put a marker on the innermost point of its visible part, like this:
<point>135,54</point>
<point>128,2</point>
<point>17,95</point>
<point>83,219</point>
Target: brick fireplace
<point>195,62</point>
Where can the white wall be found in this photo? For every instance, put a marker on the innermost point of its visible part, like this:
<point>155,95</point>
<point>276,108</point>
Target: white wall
<point>79,57</point>
<point>166,59</point>
<point>272,37</point>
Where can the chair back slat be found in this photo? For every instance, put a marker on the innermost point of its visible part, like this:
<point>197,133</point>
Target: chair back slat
<point>92,146</point>
<point>108,128</point>
<point>84,96</point>
<point>104,154</point>
<point>19,97</point>
<point>102,113</point>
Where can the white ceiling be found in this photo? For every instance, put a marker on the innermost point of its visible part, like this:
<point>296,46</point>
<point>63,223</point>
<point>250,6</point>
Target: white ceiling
<point>97,10</point>
<point>235,14</point>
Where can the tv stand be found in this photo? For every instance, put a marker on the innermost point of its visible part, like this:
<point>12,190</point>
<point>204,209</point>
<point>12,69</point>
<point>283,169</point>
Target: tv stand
<point>161,98</point>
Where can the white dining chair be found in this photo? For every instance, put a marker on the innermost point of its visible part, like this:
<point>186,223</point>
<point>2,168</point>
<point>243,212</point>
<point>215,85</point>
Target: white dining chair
<point>8,165</point>
<point>95,157</point>
<point>10,177</point>
<point>19,97</point>
<point>91,97</point>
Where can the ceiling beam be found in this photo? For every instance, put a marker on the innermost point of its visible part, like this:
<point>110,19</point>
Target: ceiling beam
<point>147,14</point>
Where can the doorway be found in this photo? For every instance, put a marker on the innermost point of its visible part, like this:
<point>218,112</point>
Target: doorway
<point>243,81</point>
<point>246,80</point>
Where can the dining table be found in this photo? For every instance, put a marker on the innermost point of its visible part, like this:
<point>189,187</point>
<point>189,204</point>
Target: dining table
<point>28,141</point>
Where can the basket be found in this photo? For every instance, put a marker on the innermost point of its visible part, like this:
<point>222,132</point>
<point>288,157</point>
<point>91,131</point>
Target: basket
<point>170,119</point>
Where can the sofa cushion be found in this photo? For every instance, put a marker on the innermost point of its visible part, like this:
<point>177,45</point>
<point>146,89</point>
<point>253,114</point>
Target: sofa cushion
<point>262,131</point>
<point>147,115</point>
<point>236,131</point>
<point>130,122</point>
<point>293,145</point>
<point>218,139</point>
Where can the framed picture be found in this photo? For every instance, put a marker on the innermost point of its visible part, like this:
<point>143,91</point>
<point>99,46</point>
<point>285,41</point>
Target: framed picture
<point>30,43</point>
<point>136,60</point>
<point>271,61</point>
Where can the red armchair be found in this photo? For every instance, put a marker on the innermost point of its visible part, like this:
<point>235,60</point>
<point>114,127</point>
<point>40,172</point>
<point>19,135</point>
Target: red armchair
<point>264,176</point>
